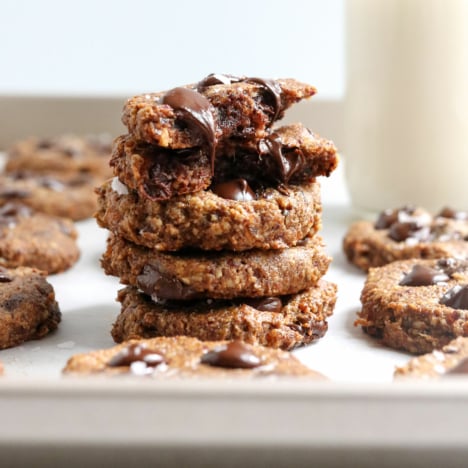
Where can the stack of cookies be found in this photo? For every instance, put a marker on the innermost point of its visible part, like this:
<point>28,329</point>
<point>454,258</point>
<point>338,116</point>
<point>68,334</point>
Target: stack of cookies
<point>214,215</point>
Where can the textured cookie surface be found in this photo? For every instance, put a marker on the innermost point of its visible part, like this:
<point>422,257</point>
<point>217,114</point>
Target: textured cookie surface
<point>67,154</point>
<point>286,322</point>
<point>406,233</point>
<point>34,239</point>
<point>416,305</point>
<point>28,309</point>
<point>273,219</point>
<point>68,195</point>
<point>185,357</point>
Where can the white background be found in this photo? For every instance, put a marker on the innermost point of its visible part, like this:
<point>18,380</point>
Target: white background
<point>123,47</point>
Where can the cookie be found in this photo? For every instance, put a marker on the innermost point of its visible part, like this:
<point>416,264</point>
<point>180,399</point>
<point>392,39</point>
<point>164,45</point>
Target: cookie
<point>290,154</point>
<point>230,216</point>
<point>450,360</point>
<point>70,196</point>
<point>219,275</point>
<point>286,322</point>
<point>205,114</point>
<point>186,357</point>
<point>63,155</point>
<point>28,310</point>
<point>29,238</point>
<point>407,233</point>
<point>416,305</point>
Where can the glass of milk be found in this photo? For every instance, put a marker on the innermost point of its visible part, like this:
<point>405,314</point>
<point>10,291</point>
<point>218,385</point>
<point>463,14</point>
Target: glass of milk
<point>406,109</point>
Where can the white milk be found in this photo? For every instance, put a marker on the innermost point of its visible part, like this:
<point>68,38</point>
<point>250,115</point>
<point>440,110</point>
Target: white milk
<point>406,112</point>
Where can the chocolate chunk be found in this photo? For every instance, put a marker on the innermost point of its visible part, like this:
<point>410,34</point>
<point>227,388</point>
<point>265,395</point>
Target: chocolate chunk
<point>214,79</point>
<point>14,193</point>
<point>137,353</point>
<point>460,368</point>
<point>450,213</point>
<point>275,92</point>
<point>401,231</point>
<point>266,304</point>
<point>388,217</point>
<point>452,265</point>
<point>196,110</point>
<point>152,282</point>
<point>5,276</point>
<point>422,275</point>
<point>14,210</point>
<point>237,189</point>
<point>235,354</point>
<point>456,298</point>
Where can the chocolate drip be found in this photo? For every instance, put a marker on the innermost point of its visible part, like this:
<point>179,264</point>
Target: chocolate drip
<point>456,298</point>
<point>235,354</point>
<point>422,275</point>
<point>266,304</point>
<point>196,110</point>
<point>460,368</point>
<point>137,353</point>
<point>237,189</point>
<point>152,282</point>
<point>275,91</point>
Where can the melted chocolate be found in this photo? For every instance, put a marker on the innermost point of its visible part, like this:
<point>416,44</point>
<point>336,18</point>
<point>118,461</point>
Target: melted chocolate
<point>401,231</point>
<point>266,304</point>
<point>388,217</point>
<point>237,189</point>
<point>450,213</point>
<point>214,79</point>
<point>460,368</point>
<point>137,353</point>
<point>5,276</point>
<point>452,265</point>
<point>235,354</point>
<point>275,91</point>
<point>422,275</point>
<point>152,282</point>
<point>456,298</point>
<point>196,110</point>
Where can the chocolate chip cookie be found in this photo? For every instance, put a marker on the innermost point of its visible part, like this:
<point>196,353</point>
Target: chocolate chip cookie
<point>279,322</point>
<point>28,310</point>
<point>63,155</point>
<point>404,233</point>
<point>229,216</point>
<point>185,357</point>
<point>30,238</point>
<point>189,275</point>
<point>71,196</point>
<point>416,305</point>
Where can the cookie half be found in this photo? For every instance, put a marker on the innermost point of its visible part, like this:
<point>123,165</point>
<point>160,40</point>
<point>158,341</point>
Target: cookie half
<point>219,275</point>
<point>416,305</point>
<point>271,219</point>
<point>406,233</point>
<point>185,357</point>
<point>28,310</point>
<point>30,238</point>
<point>286,322</point>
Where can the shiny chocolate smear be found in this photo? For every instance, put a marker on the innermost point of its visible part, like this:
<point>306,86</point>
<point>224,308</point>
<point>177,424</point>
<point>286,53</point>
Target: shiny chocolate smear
<point>214,79</point>
<point>137,353</point>
<point>237,189</point>
<point>401,231</point>
<point>422,275</point>
<point>456,298</point>
<point>266,304</point>
<point>275,91</point>
<point>460,368</point>
<point>450,213</point>
<point>196,110</point>
<point>236,355</point>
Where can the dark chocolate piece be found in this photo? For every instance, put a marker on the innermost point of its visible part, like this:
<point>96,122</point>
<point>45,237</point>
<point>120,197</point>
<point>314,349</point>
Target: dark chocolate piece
<point>137,353</point>
<point>235,354</point>
<point>266,304</point>
<point>456,298</point>
<point>422,275</point>
<point>237,189</point>
<point>450,213</point>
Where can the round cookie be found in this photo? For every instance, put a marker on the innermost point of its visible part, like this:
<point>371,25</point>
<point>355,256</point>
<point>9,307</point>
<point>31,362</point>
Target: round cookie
<point>416,305</point>
<point>450,361</point>
<point>407,233</point>
<point>286,322</point>
<point>71,196</point>
<point>185,357</point>
<point>29,238</point>
<point>218,275</point>
<point>28,310</point>
<point>63,155</point>
<point>275,219</point>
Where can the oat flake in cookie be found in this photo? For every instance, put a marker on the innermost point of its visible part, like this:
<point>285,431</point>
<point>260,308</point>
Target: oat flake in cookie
<point>404,233</point>
<point>28,310</point>
<point>185,357</point>
<point>416,305</point>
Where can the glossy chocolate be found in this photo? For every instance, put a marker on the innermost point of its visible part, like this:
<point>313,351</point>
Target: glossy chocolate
<point>460,368</point>
<point>237,189</point>
<point>456,298</point>
<point>422,275</point>
<point>136,353</point>
<point>235,354</point>
<point>275,92</point>
<point>401,231</point>
<point>197,111</point>
<point>450,213</point>
<point>389,216</point>
<point>152,282</point>
<point>214,79</point>
<point>266,304</point>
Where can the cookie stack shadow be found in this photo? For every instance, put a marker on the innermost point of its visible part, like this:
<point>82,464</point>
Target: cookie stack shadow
<point>214,216</point>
